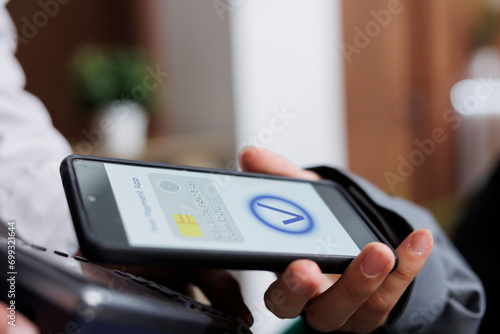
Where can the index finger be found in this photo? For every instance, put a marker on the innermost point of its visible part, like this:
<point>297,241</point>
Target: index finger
<point>413,253</point>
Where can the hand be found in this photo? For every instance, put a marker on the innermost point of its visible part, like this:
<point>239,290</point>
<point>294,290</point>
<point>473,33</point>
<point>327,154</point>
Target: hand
<point>22,324</point>
<point>358,301</point>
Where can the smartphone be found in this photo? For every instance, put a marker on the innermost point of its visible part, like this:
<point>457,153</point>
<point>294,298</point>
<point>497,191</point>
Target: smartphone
<point>144,213</point>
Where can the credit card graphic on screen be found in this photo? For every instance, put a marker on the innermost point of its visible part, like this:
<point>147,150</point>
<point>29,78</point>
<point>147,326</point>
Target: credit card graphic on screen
<point>193,208</point>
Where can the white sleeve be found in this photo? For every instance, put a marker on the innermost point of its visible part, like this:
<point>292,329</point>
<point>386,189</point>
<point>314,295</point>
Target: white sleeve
<point>31,149</point>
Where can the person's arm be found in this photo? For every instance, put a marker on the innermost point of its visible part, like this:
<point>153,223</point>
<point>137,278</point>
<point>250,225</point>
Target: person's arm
<point>445,295</point>
<point>30,152</point>
<point>31,191</point>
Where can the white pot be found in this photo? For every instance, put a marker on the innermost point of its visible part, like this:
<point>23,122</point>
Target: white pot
<point>124,125</point>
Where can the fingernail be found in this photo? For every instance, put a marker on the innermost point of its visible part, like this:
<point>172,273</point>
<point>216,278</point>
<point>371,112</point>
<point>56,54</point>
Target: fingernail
<point>419,243</point>
<point>250,153</point>
<point>373,264</point>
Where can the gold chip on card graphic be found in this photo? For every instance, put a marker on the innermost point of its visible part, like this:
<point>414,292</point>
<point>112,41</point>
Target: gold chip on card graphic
<point>187,225</point>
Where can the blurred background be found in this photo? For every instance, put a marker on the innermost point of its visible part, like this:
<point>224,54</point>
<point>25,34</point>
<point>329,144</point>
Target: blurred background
<point>355,84</point>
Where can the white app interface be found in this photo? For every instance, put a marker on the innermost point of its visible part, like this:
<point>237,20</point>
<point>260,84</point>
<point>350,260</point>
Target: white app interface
<point>179,209</point>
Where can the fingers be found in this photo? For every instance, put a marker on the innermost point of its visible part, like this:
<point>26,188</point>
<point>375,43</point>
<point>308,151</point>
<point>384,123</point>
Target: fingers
<point>362,298</point>
<point>288,295</point>
<point>413,252</point>
<point>257,160</point>
<point>223,291</point>
<point>22,324</point>
<point>330,310</point>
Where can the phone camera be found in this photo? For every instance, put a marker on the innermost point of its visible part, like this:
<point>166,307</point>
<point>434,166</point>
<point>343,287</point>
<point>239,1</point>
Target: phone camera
<point>169,186</point>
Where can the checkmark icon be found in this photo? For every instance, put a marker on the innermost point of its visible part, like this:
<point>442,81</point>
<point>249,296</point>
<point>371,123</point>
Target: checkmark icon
<point>295,217</point>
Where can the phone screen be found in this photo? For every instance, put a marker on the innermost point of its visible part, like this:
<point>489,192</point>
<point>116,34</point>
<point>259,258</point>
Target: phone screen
<point>145,206</point>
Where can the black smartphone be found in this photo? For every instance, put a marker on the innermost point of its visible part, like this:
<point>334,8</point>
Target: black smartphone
<point>144,213</point>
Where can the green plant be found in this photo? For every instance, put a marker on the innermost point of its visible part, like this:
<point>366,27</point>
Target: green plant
<point>102,75</point>
<point>486,32</point>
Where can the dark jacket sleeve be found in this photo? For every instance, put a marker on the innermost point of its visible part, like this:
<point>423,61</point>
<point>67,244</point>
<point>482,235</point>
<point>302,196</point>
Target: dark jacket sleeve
<point>446,296</point>
<point>476,239</point>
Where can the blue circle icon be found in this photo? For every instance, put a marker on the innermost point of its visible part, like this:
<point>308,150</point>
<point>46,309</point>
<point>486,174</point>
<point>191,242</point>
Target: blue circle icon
<point>281,214</point>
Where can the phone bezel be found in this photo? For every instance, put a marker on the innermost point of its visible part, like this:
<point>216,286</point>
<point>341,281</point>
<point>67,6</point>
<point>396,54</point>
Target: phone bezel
<point>96,249</point>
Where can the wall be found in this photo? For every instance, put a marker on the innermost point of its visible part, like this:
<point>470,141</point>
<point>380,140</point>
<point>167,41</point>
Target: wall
<point>49,33</point>
<point>401,61</point>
